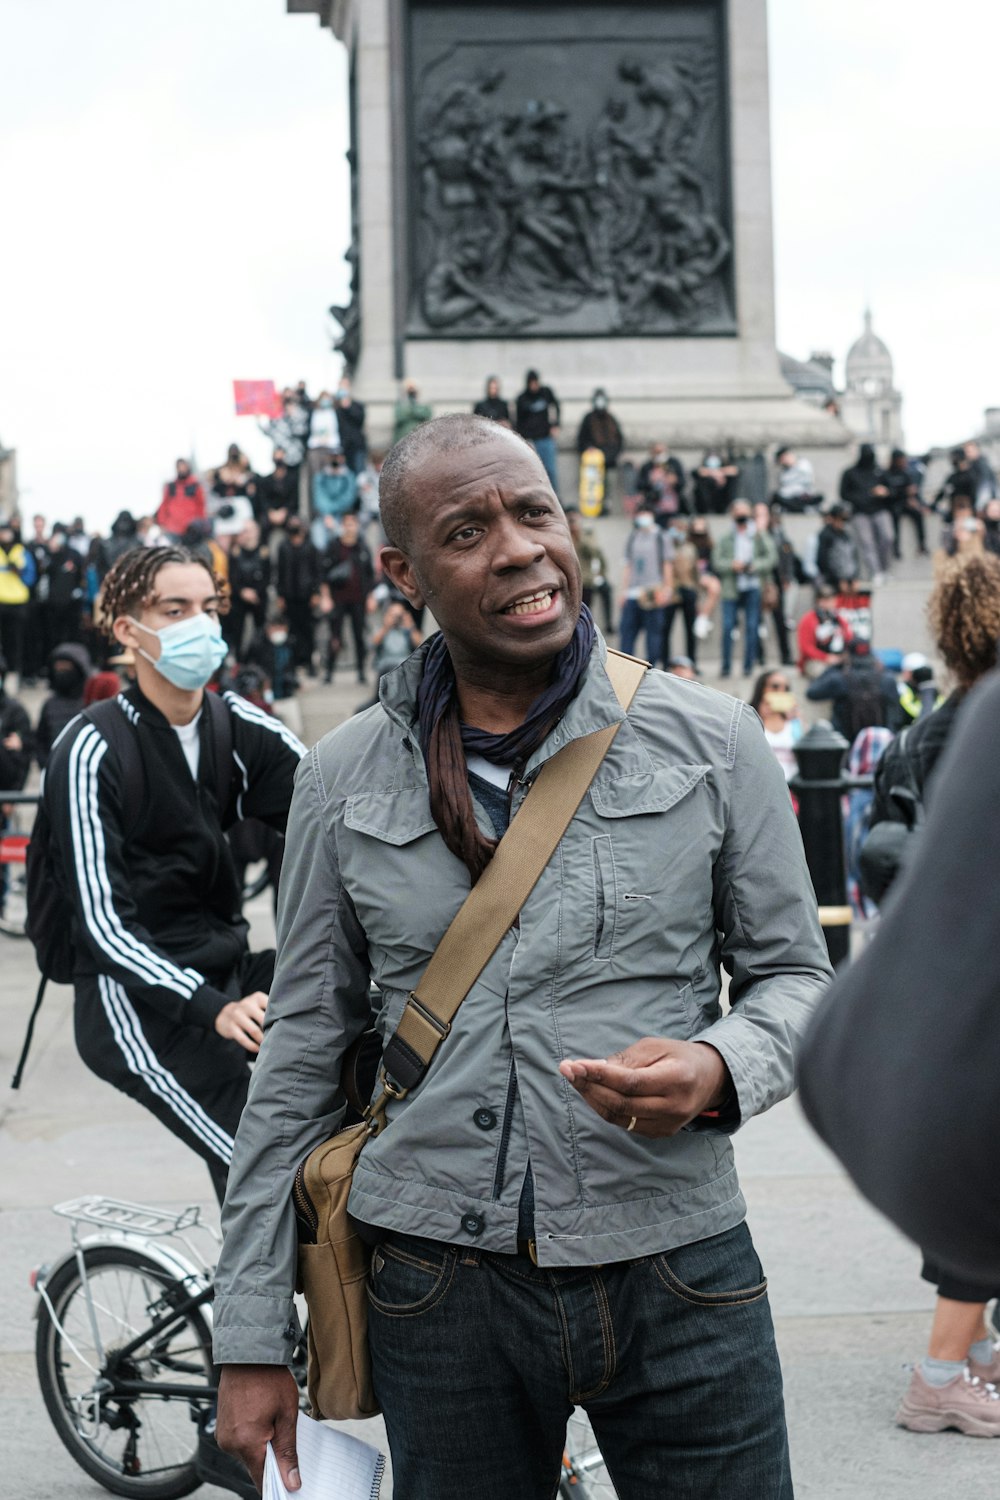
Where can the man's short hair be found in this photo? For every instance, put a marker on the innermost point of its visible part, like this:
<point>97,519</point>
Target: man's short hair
<point>446,434</point>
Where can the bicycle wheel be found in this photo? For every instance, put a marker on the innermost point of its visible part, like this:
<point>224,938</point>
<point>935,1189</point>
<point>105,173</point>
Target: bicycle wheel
<point>584,1475</point>
<point>143,1446</point>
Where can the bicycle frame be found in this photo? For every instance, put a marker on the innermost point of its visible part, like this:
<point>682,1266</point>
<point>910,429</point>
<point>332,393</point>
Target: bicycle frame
<point>149,1232</point>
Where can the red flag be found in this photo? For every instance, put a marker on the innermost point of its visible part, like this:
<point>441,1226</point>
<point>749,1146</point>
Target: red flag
<point>256,398</point>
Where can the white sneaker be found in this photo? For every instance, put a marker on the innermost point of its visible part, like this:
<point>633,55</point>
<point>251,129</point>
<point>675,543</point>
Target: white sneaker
<point>702,627</point>
<point>879,579</point>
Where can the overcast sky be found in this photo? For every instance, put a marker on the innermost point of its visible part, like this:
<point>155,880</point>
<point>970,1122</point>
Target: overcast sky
<point>173,214</point>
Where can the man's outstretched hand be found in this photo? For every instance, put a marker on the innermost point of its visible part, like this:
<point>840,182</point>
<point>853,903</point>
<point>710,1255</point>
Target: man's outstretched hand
<point>259,1404</point>
<point>660,1082</point>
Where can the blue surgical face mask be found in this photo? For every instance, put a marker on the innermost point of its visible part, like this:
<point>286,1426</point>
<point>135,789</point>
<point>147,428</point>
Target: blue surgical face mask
<point>191,651</point>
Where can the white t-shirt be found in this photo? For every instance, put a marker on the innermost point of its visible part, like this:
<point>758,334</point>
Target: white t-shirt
<point>190,744</point>
<point>325,430</point>
<point>496,775</point>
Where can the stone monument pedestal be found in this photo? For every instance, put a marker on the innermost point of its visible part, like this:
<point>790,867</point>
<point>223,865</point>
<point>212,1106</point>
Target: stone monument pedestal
<point>582,189</point>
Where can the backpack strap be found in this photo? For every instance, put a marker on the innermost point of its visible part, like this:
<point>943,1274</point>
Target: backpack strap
<point>221,717</point>
<point>110,719</point>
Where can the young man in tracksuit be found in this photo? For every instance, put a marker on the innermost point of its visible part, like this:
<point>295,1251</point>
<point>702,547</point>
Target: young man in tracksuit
<point>169,998</point>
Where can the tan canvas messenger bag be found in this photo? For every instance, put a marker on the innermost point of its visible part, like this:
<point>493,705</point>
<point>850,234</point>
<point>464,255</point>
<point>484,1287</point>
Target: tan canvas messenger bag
<point>333,1259</point>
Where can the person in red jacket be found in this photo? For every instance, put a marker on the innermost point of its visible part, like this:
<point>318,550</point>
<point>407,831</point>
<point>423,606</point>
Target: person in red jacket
<point>183,502</point>
<point>824,634</point>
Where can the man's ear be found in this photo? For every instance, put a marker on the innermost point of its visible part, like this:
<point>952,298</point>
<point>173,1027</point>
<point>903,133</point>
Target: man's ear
<point>399,569</point>
<point>125,633</point>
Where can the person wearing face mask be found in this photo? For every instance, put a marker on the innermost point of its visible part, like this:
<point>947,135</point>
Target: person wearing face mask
<point>324,433</point>
<point>600,429</point>
<point>824,634</point>
<point>183,502</point>
<point>742,558</point>
<point>351,426</point>
<point>647,584</point>
<point>169,1000</point>
<point>410,412</point>
<point>774,701</point>
<point>69,666</point>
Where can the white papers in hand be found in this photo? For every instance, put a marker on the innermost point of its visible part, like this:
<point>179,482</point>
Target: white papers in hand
<point>332,1466</point>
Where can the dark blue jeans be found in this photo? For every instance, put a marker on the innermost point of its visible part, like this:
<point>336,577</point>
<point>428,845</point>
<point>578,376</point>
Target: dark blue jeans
<point>749,602</point>
<point>635,619</point>
<point>549,454</point>
<point>479,1358</point>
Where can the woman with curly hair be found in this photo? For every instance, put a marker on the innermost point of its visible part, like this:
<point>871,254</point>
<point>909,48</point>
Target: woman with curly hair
<point>964,615</point>
<point>951,1386</point>
<point>139,790</point>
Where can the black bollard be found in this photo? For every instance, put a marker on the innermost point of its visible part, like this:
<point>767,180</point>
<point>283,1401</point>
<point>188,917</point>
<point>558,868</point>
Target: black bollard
<point>819,787</point>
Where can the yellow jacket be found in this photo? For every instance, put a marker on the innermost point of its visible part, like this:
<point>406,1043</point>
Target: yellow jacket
<point>12,589</point>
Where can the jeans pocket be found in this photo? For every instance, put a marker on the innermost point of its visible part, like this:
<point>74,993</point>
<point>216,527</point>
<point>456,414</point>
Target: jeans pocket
<point>406,1281</point>
<point>722,1271</point>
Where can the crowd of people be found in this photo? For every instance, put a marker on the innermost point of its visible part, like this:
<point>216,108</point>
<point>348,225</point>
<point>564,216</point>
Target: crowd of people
<point>249,582</point>
<point>299,549</point>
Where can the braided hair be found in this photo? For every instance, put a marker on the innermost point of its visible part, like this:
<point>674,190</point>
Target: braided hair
<point>129,586</point>
<point>964,614</point>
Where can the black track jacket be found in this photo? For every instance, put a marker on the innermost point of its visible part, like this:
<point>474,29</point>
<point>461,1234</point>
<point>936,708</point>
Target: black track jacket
<point>155,897</point>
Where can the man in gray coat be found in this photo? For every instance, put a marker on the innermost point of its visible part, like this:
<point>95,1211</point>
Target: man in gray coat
<point>555,1207</point>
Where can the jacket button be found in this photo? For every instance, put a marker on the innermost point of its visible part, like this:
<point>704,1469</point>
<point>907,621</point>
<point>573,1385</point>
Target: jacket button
<point>473,1224</point>
<point>485,1119</point>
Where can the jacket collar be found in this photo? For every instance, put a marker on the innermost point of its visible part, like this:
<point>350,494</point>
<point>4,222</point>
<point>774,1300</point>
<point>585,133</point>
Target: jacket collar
<point>135,705</point>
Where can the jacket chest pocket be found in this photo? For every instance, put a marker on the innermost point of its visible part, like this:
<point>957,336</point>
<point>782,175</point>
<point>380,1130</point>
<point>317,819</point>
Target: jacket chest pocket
<point>403,882</point>
<point>648,843</point>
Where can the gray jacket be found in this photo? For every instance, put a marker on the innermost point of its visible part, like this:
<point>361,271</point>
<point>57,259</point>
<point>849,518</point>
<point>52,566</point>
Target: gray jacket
<point>685,855</point>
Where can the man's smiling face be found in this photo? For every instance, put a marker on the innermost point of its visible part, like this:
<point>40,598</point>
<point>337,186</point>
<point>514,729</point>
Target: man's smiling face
<point>490,552</point>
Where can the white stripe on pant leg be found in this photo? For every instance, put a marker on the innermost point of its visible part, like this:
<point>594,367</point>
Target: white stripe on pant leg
<point>142,1061</point>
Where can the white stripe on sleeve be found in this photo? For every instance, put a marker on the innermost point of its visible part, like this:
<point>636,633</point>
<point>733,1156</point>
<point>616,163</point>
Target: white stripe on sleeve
<point>89,851</point>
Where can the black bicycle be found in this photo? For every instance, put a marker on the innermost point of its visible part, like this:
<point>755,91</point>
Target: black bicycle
<point>124,1357</point>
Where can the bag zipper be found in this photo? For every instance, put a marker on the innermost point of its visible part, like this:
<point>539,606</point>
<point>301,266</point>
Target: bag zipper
<point>306,1216</point>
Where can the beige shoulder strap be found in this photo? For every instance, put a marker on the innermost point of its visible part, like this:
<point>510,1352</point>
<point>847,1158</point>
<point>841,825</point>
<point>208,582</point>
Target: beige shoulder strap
<point>498,895</point>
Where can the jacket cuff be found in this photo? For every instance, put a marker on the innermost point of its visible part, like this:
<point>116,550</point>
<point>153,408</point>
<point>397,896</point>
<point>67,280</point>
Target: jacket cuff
<point>745,1071</point>
<point>205,1004</point>
<point>253,1330</point>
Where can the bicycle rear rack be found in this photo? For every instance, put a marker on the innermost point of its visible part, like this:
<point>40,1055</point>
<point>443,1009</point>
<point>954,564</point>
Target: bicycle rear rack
<point>138,1218</point>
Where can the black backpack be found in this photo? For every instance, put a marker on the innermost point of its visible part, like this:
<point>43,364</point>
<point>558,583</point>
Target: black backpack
<point>50,911</point>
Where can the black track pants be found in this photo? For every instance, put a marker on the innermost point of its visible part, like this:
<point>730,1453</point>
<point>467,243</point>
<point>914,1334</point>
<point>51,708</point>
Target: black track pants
<point>187,1076</point>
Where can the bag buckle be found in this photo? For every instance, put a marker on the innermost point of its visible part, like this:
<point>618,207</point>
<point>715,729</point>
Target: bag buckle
<point>441,1027</point>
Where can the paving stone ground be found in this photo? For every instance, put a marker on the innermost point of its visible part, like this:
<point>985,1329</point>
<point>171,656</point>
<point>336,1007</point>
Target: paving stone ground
<point>849,1306</point>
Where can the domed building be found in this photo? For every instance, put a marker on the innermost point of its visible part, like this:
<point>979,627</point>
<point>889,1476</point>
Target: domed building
<point>870,406</point>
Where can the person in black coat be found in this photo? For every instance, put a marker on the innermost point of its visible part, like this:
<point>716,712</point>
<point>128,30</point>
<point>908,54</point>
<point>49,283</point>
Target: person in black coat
<point>864,489</point>
<point>861,691</point>
<point>493,405</point>
<point>249,576</point>
<point>298,586</point>
<point>16,739</point>
<point>69,666</point>
<point>64,592</point>
<point>599,429</point>
<point>351,426</point>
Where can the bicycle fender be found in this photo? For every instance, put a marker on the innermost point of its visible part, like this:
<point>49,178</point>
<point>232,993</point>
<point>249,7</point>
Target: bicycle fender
<point>167,1257</point>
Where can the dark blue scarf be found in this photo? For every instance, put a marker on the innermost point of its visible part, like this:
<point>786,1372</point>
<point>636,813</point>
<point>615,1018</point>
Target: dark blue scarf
<point>446,741</point>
